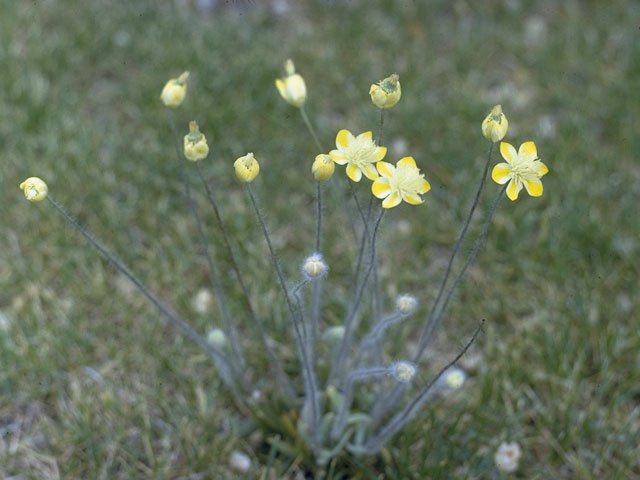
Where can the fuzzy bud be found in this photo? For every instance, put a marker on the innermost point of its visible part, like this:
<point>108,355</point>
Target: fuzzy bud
<point>334,333</point>
<point>406,304</point>
<point>314,267</point>
<point>292,87</point>
<point>217,337</point>
<point>239,462</point>
<point>454,378</point>
<point>495,125</point>
<point>174,91</point>
<point>387,92</point>
<point>195,143</point>
<point>323,167</point>
<point>507,457</point>
<point>34,188</point>
<point>247,168</point>
<point>403,371</point>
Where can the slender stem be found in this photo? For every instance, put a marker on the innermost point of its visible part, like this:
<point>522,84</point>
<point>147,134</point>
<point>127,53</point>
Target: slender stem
<point>213,271</point>
<point>379,138</point>
<point>306,366</point>
<point>318,215</point>
<point>430,318</point>
<point>174,320</point>
<point>274,361</point>
<point>307,122</point>
<point>400,419</point>
<point>470,259</point>
<point>338,365</point>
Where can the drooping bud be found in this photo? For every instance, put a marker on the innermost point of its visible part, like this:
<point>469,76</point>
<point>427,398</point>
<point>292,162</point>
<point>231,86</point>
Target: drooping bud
<point>323,167</point>
<point>495,125</point>
<point>247,168</point>
<point>292,87</point>
<point>174,91</point>
<point>34,188</point>
<point>387,92</point>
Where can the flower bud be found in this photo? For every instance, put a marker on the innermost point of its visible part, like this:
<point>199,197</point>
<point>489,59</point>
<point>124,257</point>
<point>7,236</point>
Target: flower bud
<point>314,267</point>
<point>403,371</point>
<point>454,378</point>
<point>495,126</point>
<point>507,457</point>
<point>323,167</point>
<point>34,188</point>
<point>334,333</point>
<point>406,304</point>
<point>387,92</point>
<point>174,91</point>
<point>292,87</point>
<point>239,462</point>
<point>195,144</point>
<point>247,168</point>
<point>217,337</point>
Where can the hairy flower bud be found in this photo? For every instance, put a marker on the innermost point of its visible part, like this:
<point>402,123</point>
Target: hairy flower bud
<point>34,188</point>
<point>217,337</point>
<point>403,371</point>
<point>314,267</point>
<point>495,125</point>
<point>292,87</point>
<point>195,144</point>
<point>247,168</point>
<point>174,91</point>
<point>406,304</point>
<point>387,92</point>
<point>323,167</point>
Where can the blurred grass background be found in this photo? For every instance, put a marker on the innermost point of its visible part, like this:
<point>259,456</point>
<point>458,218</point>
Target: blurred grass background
<point>94,385</point>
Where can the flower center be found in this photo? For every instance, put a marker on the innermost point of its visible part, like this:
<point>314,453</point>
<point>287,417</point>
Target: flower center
<point>406,180</point>
<point>523,168</point>
<point>361,151</point>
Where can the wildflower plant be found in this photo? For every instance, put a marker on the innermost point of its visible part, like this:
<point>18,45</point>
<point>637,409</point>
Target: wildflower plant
<point>343,393</point>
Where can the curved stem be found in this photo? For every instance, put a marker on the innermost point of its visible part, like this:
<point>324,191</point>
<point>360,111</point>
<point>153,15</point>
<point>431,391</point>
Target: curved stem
<point>307,122</point>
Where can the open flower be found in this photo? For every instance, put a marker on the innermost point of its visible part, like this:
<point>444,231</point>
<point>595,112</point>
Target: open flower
<point>292,87</point>
<point>358,153</point>
<point>402,182</point>
<point>521,168</point>
<point>387,92</point>
<point>34,188</point>
<point>174,91</point>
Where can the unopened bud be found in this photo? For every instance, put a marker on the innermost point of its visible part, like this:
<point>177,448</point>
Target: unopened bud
<point>34,188</point>
<point>495,125</point>
<point>403,371</point>
<point>406,304</point>
<point>314,267</point>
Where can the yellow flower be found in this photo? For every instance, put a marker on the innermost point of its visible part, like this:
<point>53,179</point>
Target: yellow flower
<point>195,144</point>
<point>402,182</point>
<point>174,91</point>
<point>522,168</point>
<point>495,125</point>
<point>247,168</point>
<point>292,87</point>
<point>359,153</point>
<point>34,188</point>
<point>323,167</point>
<point>387,92</point>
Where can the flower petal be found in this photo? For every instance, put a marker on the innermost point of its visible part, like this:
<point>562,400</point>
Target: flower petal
<point>528,149</point>
<point>368,135</point>
<point>501,173</point>
<point>369,170</point>
<point>513,189</point>
<point>379,153</point>
<point>508,152</point>
<point>413,199</point>
<point>281,88</point>
<point>533,186</point>
<point>407,161</point>
<point>385,169</point>
<point>338,157</point>
<point>342,139</point>
<point>542,169</point>
<point>391,201</point>
<point>425,187</point>
<point>354,173</point>
<point>381,188</point>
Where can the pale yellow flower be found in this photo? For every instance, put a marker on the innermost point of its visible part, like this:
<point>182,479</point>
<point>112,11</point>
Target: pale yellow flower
<point>402,182</point>
<point>195,144</point>
<point>523,168</point>
<point>292,87</point>
<point>323,167</point>
<point>174,91</point>
<point>358,153</point>
<point>495,125</point>
<point>387,92</point>
<point>247,168</point>
<point>34,188</point>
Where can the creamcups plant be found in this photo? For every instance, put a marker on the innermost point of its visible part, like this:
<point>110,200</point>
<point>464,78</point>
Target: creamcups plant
<point>343,394</point>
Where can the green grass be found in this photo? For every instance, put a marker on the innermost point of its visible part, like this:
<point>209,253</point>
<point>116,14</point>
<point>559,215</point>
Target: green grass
<point>559,370</point>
